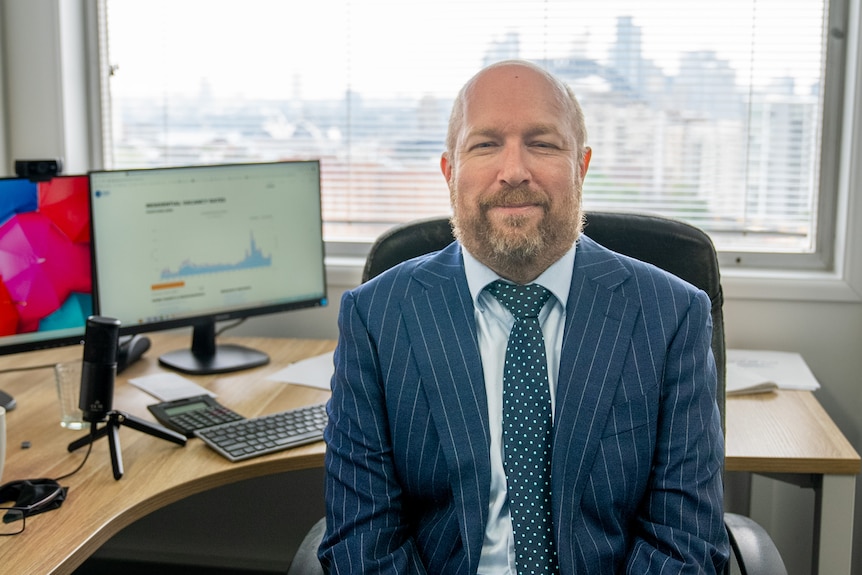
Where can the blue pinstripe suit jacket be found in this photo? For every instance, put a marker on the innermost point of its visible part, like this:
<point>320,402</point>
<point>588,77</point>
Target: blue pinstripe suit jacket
<point>637,448</point>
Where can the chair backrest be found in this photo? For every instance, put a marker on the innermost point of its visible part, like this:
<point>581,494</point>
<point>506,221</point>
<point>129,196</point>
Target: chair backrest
<point>674,246</point>
<point>406,241</point>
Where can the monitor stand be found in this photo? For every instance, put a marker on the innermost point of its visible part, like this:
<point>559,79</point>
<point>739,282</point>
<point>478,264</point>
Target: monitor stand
<point>206,357</point>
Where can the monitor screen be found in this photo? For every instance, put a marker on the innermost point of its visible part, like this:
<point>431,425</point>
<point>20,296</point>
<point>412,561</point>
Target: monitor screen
<point>190,246</point>
<point>45,280</point>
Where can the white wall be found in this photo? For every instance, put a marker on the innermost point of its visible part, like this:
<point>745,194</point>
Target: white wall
<point>45,94</point>
<point>821,317</point>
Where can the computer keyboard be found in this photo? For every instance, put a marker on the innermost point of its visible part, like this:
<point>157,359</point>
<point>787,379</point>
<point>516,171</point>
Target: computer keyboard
<point>247,438</point>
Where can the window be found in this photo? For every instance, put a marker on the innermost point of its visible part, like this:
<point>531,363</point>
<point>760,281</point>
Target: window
<point>712,112</point>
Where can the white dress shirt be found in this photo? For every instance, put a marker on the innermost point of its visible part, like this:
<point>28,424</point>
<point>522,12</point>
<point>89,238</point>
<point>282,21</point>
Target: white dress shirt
<point>493,324</point>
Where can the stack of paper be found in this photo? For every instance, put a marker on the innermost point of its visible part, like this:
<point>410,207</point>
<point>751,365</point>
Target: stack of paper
<point>756,371</point>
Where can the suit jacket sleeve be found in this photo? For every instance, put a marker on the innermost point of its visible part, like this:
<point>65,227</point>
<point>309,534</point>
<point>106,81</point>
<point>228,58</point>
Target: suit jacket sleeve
<point>679,527</point>
<point>365,529</point>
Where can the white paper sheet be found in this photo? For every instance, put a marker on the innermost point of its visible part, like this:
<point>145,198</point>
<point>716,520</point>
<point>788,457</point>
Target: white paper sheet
<point>314,372</point>
<point>169,386</point>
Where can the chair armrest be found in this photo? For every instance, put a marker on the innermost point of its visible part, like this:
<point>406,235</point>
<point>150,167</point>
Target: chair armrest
<point>754,550</point>
<point>305,561</point>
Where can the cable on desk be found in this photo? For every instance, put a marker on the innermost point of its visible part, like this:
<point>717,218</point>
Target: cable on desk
<point>236,323</point>
<point>80,465</point>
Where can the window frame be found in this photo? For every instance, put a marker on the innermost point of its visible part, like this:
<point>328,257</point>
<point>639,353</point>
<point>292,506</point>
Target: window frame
<point>827,130</point>
<point>822,258</point>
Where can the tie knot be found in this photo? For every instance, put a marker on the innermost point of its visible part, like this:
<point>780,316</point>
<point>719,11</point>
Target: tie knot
<point>521,300</point>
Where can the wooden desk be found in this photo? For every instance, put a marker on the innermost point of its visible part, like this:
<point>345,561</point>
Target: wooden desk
<point>786,435</point>
<point>157,472</point>
<point>789,436</point>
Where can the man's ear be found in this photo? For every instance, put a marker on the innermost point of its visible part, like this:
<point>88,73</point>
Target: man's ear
<point>446,167</point>
<point>588,153</point>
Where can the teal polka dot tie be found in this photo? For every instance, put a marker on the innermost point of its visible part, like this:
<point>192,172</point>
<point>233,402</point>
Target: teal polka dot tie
<point>527,428</point>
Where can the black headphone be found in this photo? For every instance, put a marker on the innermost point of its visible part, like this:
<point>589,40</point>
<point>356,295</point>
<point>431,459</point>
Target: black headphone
<point>31,496</point>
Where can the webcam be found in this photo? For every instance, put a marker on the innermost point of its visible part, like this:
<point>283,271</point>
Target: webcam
<point>38,170</point>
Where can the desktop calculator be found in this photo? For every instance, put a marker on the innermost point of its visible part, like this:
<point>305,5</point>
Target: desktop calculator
<point>192,413</point>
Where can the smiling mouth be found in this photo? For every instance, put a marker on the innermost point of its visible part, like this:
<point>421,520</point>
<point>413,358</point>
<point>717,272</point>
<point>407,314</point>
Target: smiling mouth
<point>515,215</point>
<point>515,207</point>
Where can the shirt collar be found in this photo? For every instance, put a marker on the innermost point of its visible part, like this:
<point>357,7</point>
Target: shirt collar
<point>557,278</point>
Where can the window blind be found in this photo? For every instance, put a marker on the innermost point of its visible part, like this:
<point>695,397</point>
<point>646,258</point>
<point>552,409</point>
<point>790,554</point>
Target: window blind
<point>707,111</point>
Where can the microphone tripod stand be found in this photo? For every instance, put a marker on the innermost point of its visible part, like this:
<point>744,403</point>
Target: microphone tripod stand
<point>115,419</point>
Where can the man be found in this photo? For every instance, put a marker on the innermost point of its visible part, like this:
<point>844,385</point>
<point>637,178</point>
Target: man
<point>420,476</point>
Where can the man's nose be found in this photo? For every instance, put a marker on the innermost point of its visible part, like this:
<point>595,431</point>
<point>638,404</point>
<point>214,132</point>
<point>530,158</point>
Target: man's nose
<point>514,168</point>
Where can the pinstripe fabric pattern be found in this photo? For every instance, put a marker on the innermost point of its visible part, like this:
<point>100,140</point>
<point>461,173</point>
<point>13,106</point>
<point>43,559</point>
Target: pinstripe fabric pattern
<point>636,482</point>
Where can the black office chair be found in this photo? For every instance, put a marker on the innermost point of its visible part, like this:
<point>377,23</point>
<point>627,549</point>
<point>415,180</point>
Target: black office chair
<point>679,248</point>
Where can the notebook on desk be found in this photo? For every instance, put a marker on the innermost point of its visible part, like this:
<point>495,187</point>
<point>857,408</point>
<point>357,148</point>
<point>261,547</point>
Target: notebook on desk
<point>741,381</point>
<point>759,371</point>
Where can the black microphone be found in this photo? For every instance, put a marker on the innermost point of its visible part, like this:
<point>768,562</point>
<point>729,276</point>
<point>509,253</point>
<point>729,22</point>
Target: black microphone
<point>99,367</point>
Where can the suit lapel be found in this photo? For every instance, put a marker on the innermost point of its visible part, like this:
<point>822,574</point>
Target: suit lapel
<point>442,331</point>
<point>599,324</point>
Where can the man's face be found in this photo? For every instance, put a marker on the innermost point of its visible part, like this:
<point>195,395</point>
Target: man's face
<point>515,176</point>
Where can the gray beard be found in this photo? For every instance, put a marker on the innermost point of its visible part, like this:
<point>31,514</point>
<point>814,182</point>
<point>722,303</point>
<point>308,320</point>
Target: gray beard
<point>519,257</point>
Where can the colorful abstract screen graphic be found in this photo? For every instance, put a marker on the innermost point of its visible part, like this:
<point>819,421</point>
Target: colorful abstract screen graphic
<point>45,279</point>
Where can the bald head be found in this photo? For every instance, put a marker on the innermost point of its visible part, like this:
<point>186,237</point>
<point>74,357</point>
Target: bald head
<point>513,71</point>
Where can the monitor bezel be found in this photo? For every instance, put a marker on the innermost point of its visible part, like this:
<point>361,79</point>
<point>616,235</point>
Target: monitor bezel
<point>206,320</point>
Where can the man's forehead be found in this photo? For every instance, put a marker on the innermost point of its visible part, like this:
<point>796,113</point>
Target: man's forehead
<point>535,110</point>
<point>503,80</point>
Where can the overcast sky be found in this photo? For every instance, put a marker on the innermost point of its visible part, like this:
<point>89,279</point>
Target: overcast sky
<point>263,48</point>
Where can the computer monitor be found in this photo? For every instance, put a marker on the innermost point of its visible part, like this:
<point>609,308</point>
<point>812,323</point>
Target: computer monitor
<point>45,279</point>
<point>196,245</point>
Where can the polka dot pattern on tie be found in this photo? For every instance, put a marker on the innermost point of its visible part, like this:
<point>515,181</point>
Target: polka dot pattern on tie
<point>527,428</point>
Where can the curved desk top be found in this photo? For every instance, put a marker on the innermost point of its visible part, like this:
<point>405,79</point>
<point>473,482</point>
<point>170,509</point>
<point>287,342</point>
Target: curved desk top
<point>157,472</point>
